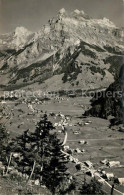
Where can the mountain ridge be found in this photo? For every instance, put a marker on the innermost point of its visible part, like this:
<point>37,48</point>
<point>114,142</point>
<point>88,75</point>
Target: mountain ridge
<point>71,44</point>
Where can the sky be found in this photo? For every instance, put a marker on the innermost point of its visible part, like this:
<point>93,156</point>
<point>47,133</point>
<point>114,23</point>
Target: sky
<point>32,14</point>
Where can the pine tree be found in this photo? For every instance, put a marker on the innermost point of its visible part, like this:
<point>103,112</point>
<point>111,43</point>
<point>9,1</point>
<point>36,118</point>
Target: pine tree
<point>4,138</point>
<point>50,150</point>
<point>54,170</point>
<point>27,153</point>
<point>40,155</point>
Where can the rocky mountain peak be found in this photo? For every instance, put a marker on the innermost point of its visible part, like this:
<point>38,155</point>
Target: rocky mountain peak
<point>76,11</point>
<point>17,39</point>
<point>64,29</point>
<point>22,31</point>
<point>79,12</point>
<point>21,36</point>
<point>62,11</point>
<point>72,44</point>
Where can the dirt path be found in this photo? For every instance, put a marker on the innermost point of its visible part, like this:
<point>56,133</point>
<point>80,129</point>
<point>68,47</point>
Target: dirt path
<point>108,139</point>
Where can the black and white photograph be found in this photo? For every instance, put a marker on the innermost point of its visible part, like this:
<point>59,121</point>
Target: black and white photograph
<point>61,97</point>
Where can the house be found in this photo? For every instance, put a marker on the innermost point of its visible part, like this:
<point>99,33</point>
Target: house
<point>76,132</point>
<point>77,150</point>
<point>109,176</point>
<point>121,181</point>
<point>105,161</point>
<point>113,163</point>
<point>75,160</point>
<point>66,147</point>
<point>82,142</point>
<point>87,123</point>
<point>88,164</point>
<point>103,172</point>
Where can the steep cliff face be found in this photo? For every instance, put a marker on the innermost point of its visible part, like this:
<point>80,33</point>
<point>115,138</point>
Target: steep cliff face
<point>80,49</point>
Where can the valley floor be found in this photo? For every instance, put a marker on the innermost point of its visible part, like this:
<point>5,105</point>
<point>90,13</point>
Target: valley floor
<point>92,136</point>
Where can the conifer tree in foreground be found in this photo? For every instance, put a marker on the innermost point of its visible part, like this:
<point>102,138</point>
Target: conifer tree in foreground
<point>55,170</point>
<point>41,156</point>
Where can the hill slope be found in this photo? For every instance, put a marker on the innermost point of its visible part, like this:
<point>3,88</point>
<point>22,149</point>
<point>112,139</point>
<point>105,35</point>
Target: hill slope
<point>111,101</point>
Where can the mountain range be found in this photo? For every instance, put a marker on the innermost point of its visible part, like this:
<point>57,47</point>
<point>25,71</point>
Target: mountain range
<point>71,51</point>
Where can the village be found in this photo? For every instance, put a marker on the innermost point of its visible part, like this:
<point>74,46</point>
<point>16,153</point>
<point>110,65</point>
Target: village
<point>92,147</point>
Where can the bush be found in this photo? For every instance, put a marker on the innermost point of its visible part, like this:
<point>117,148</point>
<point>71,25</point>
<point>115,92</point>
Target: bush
<point>94,188</point>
